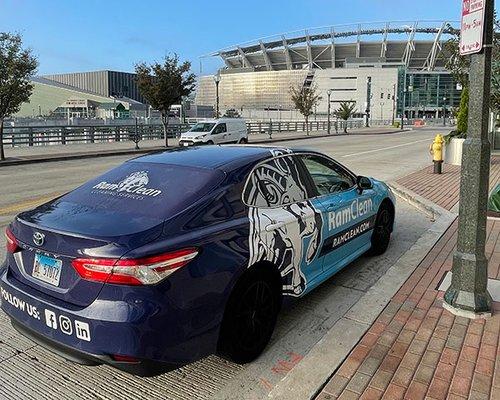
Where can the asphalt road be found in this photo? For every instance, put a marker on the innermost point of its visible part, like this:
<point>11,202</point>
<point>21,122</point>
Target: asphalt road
<point>29,371</point>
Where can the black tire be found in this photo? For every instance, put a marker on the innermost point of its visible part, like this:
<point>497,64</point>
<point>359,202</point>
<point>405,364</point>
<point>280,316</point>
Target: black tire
<point>243,141</point>
<point>250,316</point>
<point>210,142</point>
<point>382,230</point>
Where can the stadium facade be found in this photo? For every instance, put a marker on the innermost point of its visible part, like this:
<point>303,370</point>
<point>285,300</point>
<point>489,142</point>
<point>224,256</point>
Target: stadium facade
<point>403,61</point>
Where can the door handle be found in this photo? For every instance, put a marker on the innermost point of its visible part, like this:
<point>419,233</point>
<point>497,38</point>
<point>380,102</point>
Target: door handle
<point>336,202</point>
<point>274,226</point>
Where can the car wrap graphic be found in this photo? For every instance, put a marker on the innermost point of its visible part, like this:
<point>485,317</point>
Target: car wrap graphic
<point>291,232</point>
<point>134,185</point>
<point>278,190</point>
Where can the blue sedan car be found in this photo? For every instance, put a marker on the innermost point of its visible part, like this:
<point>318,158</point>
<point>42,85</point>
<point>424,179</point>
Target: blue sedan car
<point>173,256</point>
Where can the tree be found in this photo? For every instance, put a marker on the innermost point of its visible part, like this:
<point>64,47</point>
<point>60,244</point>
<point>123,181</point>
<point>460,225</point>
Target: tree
<point>463,111</point>
<point>304,99</point>
<point>459,65</point>
<point>165,84</point>
<point>455,63</point>
<point>231,113</point>
<point>17,67</point>
<point>345,111</point>
<point>495,69</point>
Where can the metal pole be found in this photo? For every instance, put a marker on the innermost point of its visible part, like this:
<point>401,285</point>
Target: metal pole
<point>136,133</point>
<point>368,99</point>
<point>328,123</point>
<point>444,112</point>
<point>393,104</point>
<point>404,101</point>
<point>468,294</point>
<point>217,99</point>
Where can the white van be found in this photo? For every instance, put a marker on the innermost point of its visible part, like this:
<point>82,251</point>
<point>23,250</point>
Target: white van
<point>216,131</point>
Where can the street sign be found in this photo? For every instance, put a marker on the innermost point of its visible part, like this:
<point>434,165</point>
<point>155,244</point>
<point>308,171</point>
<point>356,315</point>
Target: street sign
<point>471,29</point>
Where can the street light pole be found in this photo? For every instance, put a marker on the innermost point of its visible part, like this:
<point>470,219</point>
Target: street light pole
<point>444,111</point>
<point>329,93</point>
<point>404,102</point>
<point>393,104</point>
<point>368,99</point>
<point>468,294</point>
<point>217,81</point>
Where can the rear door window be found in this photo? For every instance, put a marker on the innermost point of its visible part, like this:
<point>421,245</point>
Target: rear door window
<point>274,183</point>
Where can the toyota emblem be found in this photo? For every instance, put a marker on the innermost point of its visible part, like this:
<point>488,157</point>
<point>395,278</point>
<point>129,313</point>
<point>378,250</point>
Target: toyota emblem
<point>38,238</point>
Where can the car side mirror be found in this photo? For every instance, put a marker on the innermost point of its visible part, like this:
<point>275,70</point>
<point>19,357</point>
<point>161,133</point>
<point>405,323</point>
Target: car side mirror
<point>364,183</point>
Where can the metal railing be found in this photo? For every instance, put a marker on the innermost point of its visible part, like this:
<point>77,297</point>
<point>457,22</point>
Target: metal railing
<point>19,136</point>
<point>300,126</point>
<point>51,135</point>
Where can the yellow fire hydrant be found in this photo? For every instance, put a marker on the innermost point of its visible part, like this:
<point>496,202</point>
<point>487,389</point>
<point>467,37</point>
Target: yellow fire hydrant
<point>436,149</point>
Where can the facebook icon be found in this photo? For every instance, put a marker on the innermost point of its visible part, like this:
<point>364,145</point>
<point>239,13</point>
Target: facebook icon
<point>50,319</point>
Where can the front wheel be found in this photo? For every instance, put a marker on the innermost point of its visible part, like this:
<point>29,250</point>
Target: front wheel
<point>210,142</point>
<point>381,235</point>
<point>249,318</point>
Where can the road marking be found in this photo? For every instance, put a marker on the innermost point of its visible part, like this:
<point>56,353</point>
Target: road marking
<point>17,207</point>
<point>386,148</point>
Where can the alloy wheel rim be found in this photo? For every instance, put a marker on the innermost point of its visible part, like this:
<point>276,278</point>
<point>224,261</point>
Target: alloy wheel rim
<point>255,315</point>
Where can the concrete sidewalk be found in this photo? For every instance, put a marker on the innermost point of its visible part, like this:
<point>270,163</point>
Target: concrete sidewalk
<point>415,349</point>
<point>26,155</point>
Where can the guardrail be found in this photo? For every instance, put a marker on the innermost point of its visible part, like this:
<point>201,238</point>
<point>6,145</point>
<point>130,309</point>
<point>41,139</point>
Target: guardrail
<point>19,136</point>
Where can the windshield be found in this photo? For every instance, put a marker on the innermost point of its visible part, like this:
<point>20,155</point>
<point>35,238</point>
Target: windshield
<point>202,127</point>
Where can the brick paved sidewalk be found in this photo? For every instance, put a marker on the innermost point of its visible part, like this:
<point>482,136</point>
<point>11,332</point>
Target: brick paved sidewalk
<point>416,349</point>
<point>443,189</point>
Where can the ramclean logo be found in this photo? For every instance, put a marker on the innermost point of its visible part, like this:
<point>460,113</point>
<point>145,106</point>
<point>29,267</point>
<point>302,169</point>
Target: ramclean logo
<point>357,209</point>
<point>134,185</point>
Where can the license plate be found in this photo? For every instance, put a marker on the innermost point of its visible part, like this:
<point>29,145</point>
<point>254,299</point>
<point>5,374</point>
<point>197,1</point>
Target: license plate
<point>47,269</point>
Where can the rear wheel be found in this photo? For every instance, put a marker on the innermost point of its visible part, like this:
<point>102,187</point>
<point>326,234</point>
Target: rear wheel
<point>381,235</point>
<point>243,141</point>
<point>250,317</point>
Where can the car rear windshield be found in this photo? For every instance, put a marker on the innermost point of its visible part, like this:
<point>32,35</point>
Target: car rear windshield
<point>151,190</point>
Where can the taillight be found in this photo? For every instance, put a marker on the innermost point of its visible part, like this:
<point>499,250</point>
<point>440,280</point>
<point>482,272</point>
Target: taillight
<point>12,245</point>
<point>140,271</point>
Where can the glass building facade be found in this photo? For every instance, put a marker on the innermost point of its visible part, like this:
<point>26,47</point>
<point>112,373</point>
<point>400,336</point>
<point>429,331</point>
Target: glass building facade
<point>427,93</point>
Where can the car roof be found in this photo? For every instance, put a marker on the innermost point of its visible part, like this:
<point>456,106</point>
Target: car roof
<point>212,157</point>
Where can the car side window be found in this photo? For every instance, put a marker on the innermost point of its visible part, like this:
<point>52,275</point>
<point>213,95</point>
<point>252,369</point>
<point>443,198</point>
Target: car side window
<point>274,183</point>
<point>327,176</point>
<point>221,128</point>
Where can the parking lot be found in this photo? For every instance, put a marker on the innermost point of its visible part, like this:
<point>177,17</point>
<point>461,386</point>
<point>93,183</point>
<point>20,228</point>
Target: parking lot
<point>29,371</point>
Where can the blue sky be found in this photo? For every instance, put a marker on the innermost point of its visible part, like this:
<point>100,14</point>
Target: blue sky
<point>74,35</point>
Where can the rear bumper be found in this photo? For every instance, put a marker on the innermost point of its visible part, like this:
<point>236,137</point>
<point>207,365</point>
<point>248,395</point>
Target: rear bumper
<point>184,142</point>
<point>143,330</point>
<point>141,368</point>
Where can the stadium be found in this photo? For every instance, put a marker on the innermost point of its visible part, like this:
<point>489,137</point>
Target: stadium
<point>403,62</point>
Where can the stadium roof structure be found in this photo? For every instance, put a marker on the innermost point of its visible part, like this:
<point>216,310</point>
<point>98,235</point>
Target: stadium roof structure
<point>415,44</point>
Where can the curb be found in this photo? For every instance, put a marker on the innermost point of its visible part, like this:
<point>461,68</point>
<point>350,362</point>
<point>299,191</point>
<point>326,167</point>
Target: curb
<point>326,356</point>
<point>65,157</point>
<point>426,206</point>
